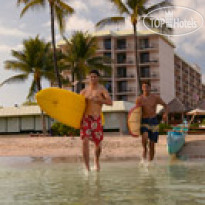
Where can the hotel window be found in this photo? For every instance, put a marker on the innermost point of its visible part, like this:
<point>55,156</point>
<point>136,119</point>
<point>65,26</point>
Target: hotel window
<point>106,74</point>
<point>121,58</point>
<point>145,72</point>
<point>107,44</point>
<point>108,54</point>
<point>122,97</point>
<point>121,72</point>
<point>108,86</point>
<point>144,57</point>
<point>144,43</point>
<point>121,43</point>
<point>122,86</point>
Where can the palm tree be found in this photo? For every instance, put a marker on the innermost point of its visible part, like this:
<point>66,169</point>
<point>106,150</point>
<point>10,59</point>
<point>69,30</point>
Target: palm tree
<point>135,9</point>
<point>34,60</point>
<point>59,10</point>
<point>80,56</point>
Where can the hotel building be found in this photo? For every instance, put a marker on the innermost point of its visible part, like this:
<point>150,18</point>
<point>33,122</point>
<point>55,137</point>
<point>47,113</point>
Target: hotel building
<point>170,75</point>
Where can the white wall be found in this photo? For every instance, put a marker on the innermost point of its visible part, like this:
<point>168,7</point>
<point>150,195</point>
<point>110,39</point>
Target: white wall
<point>166,71</point>
<point>27,123</point>
<point>13,124</point>
<point>2,125</point>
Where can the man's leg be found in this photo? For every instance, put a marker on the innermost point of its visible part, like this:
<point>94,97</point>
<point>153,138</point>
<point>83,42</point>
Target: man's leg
<point>144,145</point>
<point>86,156</point>
<point>97,157</point>
<point>151,150</point>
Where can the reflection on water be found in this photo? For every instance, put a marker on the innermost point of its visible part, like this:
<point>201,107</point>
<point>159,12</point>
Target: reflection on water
<point>41,181</point>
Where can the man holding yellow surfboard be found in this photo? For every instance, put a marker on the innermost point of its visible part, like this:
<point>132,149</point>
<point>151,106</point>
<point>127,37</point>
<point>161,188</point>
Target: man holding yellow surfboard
<point>149,124</point>
<point>91,126</point>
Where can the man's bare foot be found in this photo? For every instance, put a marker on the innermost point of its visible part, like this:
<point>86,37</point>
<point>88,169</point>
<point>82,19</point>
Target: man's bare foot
<point>97,166</point>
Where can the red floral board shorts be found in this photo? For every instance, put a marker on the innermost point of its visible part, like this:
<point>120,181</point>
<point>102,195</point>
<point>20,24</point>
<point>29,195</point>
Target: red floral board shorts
<point>91,128</point>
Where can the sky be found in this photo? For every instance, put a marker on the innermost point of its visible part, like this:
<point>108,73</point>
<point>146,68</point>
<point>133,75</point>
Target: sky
<point>13,30</point>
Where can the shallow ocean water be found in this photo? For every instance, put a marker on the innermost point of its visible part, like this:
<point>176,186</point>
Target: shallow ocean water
<point>25,180</point>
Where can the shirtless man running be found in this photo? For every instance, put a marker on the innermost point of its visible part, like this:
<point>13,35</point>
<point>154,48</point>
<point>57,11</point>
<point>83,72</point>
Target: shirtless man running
<point>91,126</point>
<point>149,126</point>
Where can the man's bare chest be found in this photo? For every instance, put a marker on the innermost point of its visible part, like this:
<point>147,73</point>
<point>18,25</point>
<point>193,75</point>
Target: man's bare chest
<point>149,103</point>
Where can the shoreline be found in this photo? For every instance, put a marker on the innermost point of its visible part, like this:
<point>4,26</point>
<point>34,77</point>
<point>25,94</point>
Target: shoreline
<point>115,148</point>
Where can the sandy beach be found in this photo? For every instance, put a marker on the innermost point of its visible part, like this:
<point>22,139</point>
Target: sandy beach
<point>114,147</point>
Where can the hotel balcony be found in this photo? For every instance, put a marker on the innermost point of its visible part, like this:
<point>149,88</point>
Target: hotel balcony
<point>125,62</point>
<point>155,90</point>
<point>149,47</point>
<point>124,47</point>
<point>177,66</point>
<point>152,76</point>
<point>106,77</point>
<point>125,77</point>
<point>126,91</point>
<point>149,62</point>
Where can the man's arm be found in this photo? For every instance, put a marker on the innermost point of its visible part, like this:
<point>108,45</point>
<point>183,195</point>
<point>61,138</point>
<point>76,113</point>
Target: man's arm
<point>82,92</point>
<point>139,101</point>
<point>107,99</point>
<point>161,102</point>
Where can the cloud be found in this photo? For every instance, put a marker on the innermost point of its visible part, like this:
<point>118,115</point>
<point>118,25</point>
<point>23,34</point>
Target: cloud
<point>5,31</point>
<point>80,6</point>
<point>5,48</point>
<point>76,23</point>
<point>203,78</point>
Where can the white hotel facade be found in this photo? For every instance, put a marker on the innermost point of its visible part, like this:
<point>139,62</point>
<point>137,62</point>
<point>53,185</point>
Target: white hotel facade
<point>170,75</point>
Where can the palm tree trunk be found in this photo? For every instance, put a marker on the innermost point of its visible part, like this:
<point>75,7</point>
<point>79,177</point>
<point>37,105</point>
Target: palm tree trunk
<point>79,87</point>
<point>138,83</point>
<point>73,78</point>
<point>54,46</point>
<point>43,119</point>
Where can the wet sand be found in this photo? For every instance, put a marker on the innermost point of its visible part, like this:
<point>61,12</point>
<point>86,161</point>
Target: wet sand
<point>114,147</point>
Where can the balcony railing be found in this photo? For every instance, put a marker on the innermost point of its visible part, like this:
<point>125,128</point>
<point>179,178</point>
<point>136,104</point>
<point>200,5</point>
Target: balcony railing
<point>152,75</point>
<point>127,90</point>
<point>126,76</point>
<point>149,61</point>
<point>129,61</point>
<point>149,46</point>
<point>155,90</point>
<point>121,47</point>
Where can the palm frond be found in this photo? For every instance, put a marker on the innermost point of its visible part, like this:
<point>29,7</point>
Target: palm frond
<point>65,7</point>
<point>32,4</point>
<point>100,63</point>
<point>20,55</point>
<point>15,79</point>
<point>60,19</point>
<point>17,66</point>
<point>19,2</point>
<point>111,21</point>
<point>62,10</point>
<point>120,6</point>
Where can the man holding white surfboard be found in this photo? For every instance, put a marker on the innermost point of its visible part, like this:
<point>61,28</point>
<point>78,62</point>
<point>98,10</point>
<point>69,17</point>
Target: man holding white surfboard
<point>149,123</point>
<point>91,126</point>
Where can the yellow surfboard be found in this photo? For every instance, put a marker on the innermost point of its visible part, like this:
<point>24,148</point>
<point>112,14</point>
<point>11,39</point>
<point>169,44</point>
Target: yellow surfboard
<point>134,121</point>
<point>65,106</point>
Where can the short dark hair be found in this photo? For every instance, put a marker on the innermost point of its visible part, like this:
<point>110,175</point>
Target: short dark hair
<point>146,82</point>
<point>95,72</point>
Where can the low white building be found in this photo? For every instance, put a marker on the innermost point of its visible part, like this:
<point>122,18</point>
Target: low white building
<point>27,119</point>
<point>22,119</point>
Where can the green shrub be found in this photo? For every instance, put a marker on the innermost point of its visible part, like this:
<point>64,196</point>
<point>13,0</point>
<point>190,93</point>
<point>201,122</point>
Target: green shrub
<point>163,127</point>
<point>203,122</point>
<point>59,129</point>
<point>194,125</point>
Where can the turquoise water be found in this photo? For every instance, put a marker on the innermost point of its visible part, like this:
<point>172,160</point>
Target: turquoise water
<point>55,181</point>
